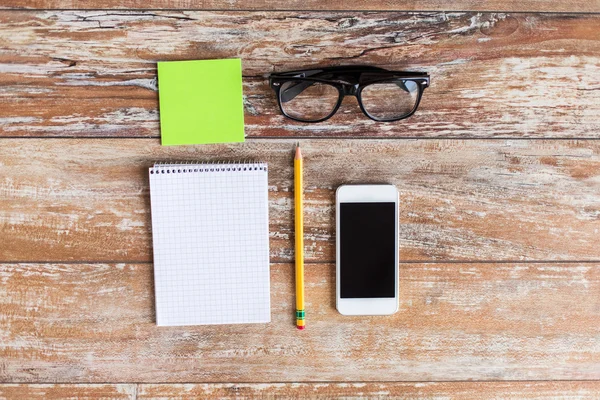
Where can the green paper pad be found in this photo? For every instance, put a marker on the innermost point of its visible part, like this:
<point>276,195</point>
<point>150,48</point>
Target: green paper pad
<point>201,101</point>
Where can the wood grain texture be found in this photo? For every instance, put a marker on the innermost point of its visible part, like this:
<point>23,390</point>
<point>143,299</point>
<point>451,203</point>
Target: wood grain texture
<point>374,5</point>
<point>68,391</point>
<point>387,390</point>
<point>88,200</point>
<point>95,323</point>
<point>92,73</point>
<point>573,390</point>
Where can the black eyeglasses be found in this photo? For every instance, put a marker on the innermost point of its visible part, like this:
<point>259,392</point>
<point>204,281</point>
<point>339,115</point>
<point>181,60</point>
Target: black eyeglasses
<point>314,95</point>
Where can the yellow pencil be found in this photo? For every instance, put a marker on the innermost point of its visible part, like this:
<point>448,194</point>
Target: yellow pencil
<point>298,184</point>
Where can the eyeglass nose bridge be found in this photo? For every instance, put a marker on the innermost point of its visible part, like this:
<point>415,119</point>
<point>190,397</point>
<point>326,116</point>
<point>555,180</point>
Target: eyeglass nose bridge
<point>350,89</point>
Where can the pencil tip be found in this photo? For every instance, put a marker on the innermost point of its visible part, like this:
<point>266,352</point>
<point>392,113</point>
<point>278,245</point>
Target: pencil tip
<point>298,153</point>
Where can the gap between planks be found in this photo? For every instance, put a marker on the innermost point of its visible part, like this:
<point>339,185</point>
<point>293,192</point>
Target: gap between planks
<point>132,11</point>
<point>315,382</point>
<point>316,138</point>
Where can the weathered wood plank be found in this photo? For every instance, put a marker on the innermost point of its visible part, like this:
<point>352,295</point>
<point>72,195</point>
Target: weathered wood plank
<point>92,73</point>
<point>388,390</point>
<point>95,323</point>
<point>88,200</point>
<point>580,390</point>
<point>68,391</point>
<point>375,5</point>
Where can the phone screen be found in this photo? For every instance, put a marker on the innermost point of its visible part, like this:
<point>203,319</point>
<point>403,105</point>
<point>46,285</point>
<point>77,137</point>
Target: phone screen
<point>367,250</point>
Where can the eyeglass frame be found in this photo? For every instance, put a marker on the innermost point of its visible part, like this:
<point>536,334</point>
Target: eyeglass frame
<point>345,88</point>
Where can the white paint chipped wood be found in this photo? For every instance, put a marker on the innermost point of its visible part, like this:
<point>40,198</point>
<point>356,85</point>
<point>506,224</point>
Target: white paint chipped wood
<point>389,390</point>
<point>460,199</point>
<point>509,321</point>
<point>385,390</point>
<point>380,5</point>
<point>85,74</point>
<point>92,73</point>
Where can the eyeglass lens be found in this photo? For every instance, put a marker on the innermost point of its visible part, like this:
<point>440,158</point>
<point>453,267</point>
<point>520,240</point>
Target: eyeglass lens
<point>390,100</point>
<point>308,101</point>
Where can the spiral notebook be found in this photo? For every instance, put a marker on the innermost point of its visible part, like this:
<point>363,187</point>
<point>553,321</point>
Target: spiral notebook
<point>210,232</point>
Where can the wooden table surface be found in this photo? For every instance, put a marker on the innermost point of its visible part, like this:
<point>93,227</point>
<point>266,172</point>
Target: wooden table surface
<point>498,172</point>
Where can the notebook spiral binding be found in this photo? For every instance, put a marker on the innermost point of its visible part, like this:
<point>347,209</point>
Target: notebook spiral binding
<point>184,167</point>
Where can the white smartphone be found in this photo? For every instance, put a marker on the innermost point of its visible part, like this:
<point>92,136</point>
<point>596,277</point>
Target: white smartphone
<point>367,249</point>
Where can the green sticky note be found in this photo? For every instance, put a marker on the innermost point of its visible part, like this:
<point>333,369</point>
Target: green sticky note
<point>201,101</point>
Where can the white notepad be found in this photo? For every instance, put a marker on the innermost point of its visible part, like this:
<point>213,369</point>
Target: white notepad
<point>210,230</point>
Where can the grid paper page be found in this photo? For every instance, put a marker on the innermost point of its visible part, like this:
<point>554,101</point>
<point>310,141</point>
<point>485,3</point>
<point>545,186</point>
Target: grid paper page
<point>210,230</point>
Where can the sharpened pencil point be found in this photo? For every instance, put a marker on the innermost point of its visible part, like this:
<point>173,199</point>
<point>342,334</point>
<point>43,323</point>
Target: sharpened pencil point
<point>298,152</point>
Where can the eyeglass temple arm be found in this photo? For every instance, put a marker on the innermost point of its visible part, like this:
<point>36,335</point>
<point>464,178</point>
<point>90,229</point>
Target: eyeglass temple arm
<point>416,75</point>
<point>294,90</point>
<point>298,87</point>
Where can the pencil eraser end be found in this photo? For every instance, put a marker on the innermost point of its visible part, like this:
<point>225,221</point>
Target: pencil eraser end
<point>301,327</point>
